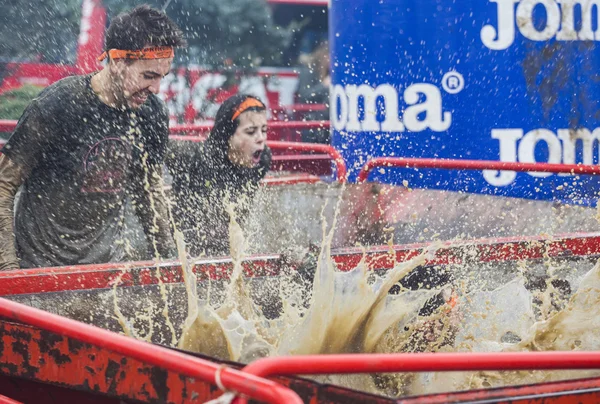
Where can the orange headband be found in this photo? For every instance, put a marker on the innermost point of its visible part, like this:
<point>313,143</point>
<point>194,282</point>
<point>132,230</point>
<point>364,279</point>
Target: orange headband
<point>249,103</point>
<point>161,52</point>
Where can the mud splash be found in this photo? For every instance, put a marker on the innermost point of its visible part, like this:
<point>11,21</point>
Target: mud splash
<point>352,312</point>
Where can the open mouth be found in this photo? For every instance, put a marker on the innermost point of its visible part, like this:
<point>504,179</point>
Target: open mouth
<point>256,156</point>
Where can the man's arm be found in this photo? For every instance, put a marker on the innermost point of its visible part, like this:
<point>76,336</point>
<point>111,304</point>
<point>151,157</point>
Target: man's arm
<point>11,178</point>
<point>151,206</point>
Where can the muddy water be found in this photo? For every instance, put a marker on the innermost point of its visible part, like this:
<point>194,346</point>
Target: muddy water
<point>353,312</point>
<point>509,317</point>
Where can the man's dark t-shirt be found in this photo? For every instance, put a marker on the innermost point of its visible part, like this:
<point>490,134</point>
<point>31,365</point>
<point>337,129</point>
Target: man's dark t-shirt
<point>84,157</point>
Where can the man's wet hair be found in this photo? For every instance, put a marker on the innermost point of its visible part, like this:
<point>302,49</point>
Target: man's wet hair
<point>141,27</point>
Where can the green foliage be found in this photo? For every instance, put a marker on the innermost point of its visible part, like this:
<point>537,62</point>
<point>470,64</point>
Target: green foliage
<point>39,29</point>
<point>13,102</point>
<point>222,32</point>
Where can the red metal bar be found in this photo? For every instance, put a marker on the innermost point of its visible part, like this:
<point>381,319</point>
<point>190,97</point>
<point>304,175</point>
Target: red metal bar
<point>293,146</point>
<point>6,400</point>
<point>291,179</point>
<point>7,125</point>
<point>454,164</point>
<point>314,147</point>
<point>579,391</point>
<point>301,108</point>
<point>422,362</point>
<point>200,130</point>
<point>100,276</point>
<point>205,127</point>
<point>252,386</point>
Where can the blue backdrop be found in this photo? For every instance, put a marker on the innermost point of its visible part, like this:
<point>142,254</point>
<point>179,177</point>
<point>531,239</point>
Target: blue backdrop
<point>502,80</point>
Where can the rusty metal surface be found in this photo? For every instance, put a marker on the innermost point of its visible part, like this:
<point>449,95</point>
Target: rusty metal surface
<point>75,367</point>
<point>30,353</point>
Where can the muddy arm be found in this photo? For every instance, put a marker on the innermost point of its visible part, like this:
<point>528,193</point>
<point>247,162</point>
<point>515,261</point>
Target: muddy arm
<point>11,178</point>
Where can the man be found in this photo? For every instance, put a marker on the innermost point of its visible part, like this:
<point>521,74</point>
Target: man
<point>83,146</point>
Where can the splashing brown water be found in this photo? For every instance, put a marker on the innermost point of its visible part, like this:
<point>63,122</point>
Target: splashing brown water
<point>352,312</point>
<point>573,328</point>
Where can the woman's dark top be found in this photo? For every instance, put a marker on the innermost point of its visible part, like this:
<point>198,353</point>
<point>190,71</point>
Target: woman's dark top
<point>204,179</point>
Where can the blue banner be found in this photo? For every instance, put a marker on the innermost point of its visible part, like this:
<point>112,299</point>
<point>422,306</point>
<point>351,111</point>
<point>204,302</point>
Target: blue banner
<point>505,80</point>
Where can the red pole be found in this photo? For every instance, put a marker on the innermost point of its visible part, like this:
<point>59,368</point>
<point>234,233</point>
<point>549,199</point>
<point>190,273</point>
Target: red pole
<point>6,400</point>
<point>454,164</point>
<point>419,362</point>
<point>314,147</point>
<point>9,125</point>
<point>297,125</point>
<point>199,130</point>
<point>295,146</point>
<point>244,383</point>
<point>422,362</point>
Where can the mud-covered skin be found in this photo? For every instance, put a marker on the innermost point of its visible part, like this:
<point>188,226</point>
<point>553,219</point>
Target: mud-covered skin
<point>11,178</point>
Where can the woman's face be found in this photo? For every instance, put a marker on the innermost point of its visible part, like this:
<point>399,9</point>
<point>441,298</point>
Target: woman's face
<point>249,140</point>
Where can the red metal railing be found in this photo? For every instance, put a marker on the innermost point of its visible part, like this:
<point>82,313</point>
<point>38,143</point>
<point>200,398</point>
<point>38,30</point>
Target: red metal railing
<point>100,276</point>
<point>195,133</point>
<point>6,400</point>
<point>7,125</point>
<point>420,362</point>
<point>273,125</point>
<point>314,147</point>
<point>455,164</point>
<point>231,379</point>
<point>293,146</point>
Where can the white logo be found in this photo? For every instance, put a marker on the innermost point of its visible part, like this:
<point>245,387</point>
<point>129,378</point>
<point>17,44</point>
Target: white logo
<point>559,24</point>
<point>561,149</point>
<point>424,108</point>
<point>453,82</point>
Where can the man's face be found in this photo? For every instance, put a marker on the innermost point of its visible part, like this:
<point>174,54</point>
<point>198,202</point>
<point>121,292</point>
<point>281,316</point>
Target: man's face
<point>138,78</point>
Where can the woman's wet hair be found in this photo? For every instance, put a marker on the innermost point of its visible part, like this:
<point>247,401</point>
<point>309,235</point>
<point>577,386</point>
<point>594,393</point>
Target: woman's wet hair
<point>224,126</point>
<point>141,27</point>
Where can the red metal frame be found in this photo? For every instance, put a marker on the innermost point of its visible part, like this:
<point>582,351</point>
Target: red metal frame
<point>455,164</point>
<point>7,125</point>
<point>196,133</point>
<point>273,125</point>
<point>421,362</point>
<point>330,151</point>
<point>434,362</point>
<point>301,178</point>
<point>101,276</point>
<point>243,383</point>
<point>582,391</point>
<point>6,400</point>
<point>314,147</point>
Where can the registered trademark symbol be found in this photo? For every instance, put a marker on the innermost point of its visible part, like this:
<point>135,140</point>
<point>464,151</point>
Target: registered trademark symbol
<point>453,82</point>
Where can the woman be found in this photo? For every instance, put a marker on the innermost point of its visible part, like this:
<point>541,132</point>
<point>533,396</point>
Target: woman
<point>226,169</point>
